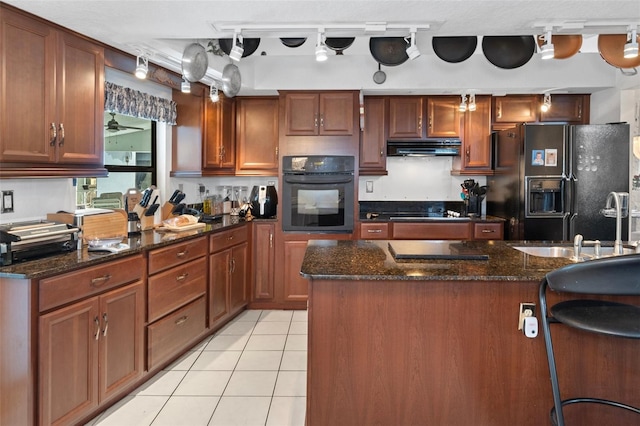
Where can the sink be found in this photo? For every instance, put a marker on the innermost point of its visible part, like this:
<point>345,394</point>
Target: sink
<point>586,253</point>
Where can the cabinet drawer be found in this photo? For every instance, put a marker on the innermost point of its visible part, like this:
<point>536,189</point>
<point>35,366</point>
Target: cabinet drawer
<point>176,254</point>
<point>488,231</point>
<point>86,282</point>
<point>374,231</point>
<point>173,288</point>
<point>228,238</point>
<point>174,332</point>
<point>432,231</point>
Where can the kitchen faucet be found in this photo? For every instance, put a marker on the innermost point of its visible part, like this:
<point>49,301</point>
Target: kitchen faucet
<point>620,200</point>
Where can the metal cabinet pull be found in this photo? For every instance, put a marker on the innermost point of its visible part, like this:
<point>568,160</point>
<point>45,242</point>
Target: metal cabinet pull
<point>53,133</point>
<point>321,120</point>
<point>488,231</point>
<point>100,280</point>
<point>230,237</point>
<point>233,265</point>
<point>499,110</point>
<point>96,320</point>
<point>182,277</point>
<point>106,324</point>
<point>374,231</point>
<point>277,152</point>
<point>420,124</point>
<point>182,253</point>
<point>61,141</point>
<point>181,320</point>
<point>315,121</point>
<point>468,154</point>
<point>270,240</point>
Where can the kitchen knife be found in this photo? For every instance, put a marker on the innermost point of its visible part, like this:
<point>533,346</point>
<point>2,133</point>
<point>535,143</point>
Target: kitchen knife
<point>146,196</point>
<point>172,199</point>
<point>179,208</point>
<point>151,210</point>
<point>179,198</point>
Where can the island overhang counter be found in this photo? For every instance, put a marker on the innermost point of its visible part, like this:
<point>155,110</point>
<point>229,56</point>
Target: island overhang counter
<point>436,342</point>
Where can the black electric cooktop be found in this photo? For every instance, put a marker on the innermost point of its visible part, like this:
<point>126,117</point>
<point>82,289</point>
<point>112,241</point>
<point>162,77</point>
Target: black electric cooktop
<point>438,249</point>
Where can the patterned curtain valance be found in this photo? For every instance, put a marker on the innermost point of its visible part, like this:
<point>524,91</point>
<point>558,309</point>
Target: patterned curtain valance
<point>137,104</point>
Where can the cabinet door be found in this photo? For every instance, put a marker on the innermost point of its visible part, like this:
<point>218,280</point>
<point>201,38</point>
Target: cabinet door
<point>80,100</point>
<point>301,114</point>
<point>572,109</point>
<point>27,88</point>
<point>263,260</point>
<point>476,149</point>
<point>238,284</point>
<point>515,109</point>
<point>219,135</point>
<point>295,286</point>
<point>373,156</point>
<point>444,117</point>
<point>219,275</point>
<point>121,338</point>
<point>69,362</point>
<point>257,136</point>
<point>405,117</point>
<point>336,114</point>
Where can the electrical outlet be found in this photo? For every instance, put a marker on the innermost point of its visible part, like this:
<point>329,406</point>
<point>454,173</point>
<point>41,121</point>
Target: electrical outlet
<point>201,188</point>
<point>7,201</point>
<point>526,310</point>
<point>369,186</point>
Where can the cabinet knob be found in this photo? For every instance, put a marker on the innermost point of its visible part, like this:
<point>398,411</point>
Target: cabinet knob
<point>61,140</point>
<point>53,134</point>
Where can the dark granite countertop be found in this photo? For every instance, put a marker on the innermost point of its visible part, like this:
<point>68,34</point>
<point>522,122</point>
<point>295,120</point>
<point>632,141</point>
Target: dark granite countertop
<point>146,240</point>
<point>372,260</point>
<point>391,217</point>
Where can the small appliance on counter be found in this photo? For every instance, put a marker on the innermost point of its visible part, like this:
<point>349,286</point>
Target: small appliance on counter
<point>95,223</point>
<point>264,201</point>
<point>36,239</point>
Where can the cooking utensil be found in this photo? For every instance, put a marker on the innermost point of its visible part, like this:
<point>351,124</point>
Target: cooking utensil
<point>146,197</point>
<point>250,45</point>
<point>293,42</point>
<point>151,210</point>
<point>388,51</point>
<point>611,48</point>
<point>179,208</point>
<point>231,80</point>
<point>194,62</point>
<point>339,44</point>
<point>174,195</point>
<point>379,76</point>
<point>508,52</point>
<point>564,45</point>
<point>454,49</point>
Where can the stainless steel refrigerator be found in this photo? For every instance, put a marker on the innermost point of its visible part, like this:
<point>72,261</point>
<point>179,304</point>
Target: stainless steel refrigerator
<point>551,180</point>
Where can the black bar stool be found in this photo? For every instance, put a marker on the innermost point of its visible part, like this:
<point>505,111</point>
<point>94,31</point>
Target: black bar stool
<point>618,275</point>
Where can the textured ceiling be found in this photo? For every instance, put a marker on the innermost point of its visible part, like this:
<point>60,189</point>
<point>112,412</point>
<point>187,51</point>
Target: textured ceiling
<point>165,28</point>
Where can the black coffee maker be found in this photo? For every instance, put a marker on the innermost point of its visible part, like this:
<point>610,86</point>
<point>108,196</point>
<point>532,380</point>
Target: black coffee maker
<point>264,201</point>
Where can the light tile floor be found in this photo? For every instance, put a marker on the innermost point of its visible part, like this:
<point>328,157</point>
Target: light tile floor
<point>251,372</point>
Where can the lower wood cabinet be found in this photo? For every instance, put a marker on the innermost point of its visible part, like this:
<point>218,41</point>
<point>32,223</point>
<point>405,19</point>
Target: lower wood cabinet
<point>481,230</point>
<point>177,308</point>
<point>90,350</point>
<point>263,260</point>
<point>295,286</point>
<point>228,274</point>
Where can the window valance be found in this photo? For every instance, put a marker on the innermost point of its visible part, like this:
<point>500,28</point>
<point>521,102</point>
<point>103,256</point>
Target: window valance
<point>124,100</point>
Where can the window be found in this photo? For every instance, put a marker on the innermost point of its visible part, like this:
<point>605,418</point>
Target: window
<point>130,158</point>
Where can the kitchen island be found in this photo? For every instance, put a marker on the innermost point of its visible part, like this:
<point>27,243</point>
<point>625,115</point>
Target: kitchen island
<point>436,342</point>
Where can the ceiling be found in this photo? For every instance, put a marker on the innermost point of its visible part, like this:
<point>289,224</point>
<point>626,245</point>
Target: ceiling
<point>164,28</point>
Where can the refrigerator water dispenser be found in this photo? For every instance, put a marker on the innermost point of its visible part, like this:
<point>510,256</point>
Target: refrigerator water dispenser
<point>544,196</point>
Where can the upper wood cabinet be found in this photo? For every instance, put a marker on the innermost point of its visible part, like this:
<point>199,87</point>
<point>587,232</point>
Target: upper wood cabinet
<point>572,109</point>
<point>475,153</point>
<point>187,134</point>
<point>257,136</point>
<point>318,113</point>
<point>219,145</point>
<point>51,97</point>
<point>516,109</point>
<point>444,117</point>
<point>373,143</point>
<point>419,117</point>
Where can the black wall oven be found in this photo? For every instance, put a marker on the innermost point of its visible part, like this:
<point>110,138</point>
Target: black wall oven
<point>317,193</point>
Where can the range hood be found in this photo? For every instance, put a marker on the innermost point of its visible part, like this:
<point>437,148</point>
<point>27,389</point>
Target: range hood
<point>423,148</point>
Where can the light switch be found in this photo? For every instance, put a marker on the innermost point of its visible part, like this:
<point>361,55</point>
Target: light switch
<point>369,186</point>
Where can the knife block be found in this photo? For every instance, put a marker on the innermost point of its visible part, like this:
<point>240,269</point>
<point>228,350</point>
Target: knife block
<point>165,211</point>
<point>146,222</point>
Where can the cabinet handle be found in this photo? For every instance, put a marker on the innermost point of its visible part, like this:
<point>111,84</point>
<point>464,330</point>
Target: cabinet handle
<point>270,240</point>
<point>232,265</point>
<point>381,153</point>
<point>420,124</point>
<point>181,320</point>
<point>430,122</point>
<point>321,120</point>
<point>182,277</point>
<point>106,324</point>
<point>315,121</point>
<point>230,237</point>
<point>488,231</point>
<point>96,320</point>
<point>499,110</point>
<point>182,253</point>
<point>468,154</point>
<point>61,142</point>
<point>277,153</point>
<point>374,231</point>
<point>53,134</point>
<point>580,111</point>
<point>100,280</point>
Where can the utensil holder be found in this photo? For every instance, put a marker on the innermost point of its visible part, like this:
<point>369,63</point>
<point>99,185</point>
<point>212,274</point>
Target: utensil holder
<point>473,205</point>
